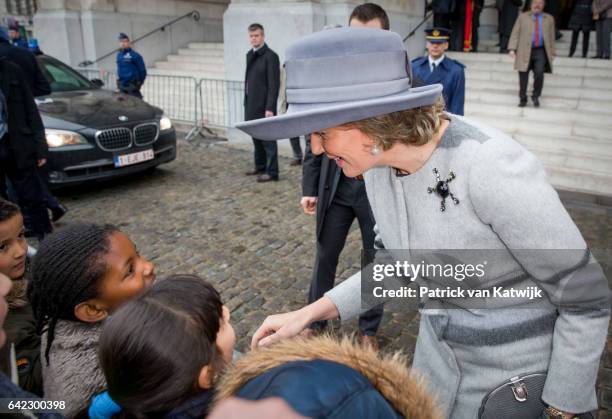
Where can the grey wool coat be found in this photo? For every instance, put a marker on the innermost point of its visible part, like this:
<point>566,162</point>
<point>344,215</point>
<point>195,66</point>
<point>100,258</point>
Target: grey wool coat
<point>73,373</point>
<point>507,204</point>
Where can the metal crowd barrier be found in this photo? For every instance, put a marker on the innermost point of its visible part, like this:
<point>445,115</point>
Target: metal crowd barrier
<point>204,104</point>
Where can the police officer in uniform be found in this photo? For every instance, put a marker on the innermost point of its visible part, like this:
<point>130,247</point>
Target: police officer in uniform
<point>131,71</point>
<point>436,67</point>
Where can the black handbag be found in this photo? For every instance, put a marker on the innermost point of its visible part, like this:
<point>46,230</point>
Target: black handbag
<point>519,397</point>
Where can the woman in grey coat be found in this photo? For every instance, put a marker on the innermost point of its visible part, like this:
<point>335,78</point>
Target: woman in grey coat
<point>439,181</point>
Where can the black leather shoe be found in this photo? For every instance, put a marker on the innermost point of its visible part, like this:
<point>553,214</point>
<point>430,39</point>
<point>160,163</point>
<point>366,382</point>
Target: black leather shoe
<point>58,212</point>
<point>266,178</point>
<point>536,102</point>
<point>295,162</point>
<point>522,103</point>
<point>254,172</point>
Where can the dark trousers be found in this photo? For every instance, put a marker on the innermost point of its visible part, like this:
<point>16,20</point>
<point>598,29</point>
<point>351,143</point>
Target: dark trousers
<point>603,27</point>
<point>266,157</point>
<point>585,42</point>
<point>537,64</point>
<point>30,191</point>
<point>297,148</point>
<point>503,43</point>
<point>331,240</point>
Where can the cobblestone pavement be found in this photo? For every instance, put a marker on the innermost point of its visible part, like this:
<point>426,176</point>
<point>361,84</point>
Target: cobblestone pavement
<point>200,214</point>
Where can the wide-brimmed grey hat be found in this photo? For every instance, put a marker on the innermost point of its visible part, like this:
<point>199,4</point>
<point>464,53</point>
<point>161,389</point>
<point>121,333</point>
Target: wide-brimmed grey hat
<point>343,75</point>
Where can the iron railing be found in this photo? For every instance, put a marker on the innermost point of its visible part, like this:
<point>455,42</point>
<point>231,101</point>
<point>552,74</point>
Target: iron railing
<point>194,14</point>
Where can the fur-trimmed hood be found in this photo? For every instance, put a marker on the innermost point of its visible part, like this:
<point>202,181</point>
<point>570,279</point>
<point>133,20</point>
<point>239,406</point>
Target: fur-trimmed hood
<point>388,374</point>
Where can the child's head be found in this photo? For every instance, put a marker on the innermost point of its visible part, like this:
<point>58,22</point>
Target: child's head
<point>166,345</point>
<point>13,245</point>
<point>84,272</point>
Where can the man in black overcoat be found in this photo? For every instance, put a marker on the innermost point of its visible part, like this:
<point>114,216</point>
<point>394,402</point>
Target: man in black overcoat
<point>262,82</point>
<point>23,147</point>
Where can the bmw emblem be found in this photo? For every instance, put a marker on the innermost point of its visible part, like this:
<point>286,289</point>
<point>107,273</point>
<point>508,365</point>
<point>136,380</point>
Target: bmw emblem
<point>123,118</point>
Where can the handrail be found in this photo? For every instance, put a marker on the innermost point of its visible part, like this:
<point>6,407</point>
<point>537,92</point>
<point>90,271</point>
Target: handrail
<point>425,19</point>
<point>194,13</point>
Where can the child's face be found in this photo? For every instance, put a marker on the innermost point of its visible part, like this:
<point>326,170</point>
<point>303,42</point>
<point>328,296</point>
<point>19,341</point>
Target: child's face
<point>13,247</point>
<point>226,337</point>
<point>127,273</point>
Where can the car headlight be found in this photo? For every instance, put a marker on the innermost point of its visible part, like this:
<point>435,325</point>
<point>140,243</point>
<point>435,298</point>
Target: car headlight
<point>165,123</point>
<point>59,138</point>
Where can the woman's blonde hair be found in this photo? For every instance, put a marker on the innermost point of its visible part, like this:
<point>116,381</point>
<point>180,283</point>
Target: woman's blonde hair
<point>410,127</point>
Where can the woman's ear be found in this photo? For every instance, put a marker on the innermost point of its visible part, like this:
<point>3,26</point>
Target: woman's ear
<point>206,378</point>
<point>90,312</point>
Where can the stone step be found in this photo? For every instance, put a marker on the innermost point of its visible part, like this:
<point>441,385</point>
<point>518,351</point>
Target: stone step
<point>574,145</point>
<point>567,93</point>
<point>543,116</point>
<point>203,59</point>
<point>190,66</point>
<point>547,101</point>
<point>197,51</point>
<point>584,181</point>
<point>512,124</point>
<point>206,45</point>
<point>549,79</point>
<point>601,165</point>
<point>476,58</point>
<point>186,73</point>
<point>507,67</point>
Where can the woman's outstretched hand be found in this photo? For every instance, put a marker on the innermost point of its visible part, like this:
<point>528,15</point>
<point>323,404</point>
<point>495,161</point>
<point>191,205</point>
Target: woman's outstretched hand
<point>286,325</point>
<point>279,326</point>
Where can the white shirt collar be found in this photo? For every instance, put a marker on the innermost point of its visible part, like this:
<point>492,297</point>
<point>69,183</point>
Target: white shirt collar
<point>258,48</point>
<point>436,62</point>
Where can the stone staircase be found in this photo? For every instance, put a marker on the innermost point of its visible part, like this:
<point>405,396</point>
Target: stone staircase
<point>572,130</point>
<point>178,74</point>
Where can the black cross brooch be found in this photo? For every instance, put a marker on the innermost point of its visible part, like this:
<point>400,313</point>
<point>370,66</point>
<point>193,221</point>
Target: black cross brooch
<point>442,190</point>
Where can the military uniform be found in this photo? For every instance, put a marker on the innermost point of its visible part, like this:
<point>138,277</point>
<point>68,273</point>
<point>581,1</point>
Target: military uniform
<point>448,72</point>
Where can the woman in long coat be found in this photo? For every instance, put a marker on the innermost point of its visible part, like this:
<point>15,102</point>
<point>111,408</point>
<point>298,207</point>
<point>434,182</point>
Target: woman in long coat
<point>438,181</point>
<point>581,21</point>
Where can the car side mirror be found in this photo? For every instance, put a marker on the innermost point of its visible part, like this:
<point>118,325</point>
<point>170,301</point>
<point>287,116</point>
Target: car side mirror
<point>97,82</point>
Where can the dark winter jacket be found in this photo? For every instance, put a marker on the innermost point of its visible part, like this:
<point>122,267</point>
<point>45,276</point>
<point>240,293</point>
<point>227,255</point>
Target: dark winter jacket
<point>195,407</point>
<point>262,82</point>
<point>26,133</point>
<point>582,16</point>
<point>324,378</point>
<point>38,84</point>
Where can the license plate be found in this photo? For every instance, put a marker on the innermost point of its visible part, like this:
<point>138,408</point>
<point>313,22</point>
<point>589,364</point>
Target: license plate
<point>134,158</point>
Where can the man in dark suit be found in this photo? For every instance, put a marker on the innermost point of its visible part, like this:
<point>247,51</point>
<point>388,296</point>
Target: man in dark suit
<point>262,82</point>
<point>436,67</point>
<point>337,200</point>
<point>23,147</point>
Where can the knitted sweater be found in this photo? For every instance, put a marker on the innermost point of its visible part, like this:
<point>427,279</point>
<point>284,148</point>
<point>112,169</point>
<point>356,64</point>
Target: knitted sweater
<point>73,373</point>
<point>505,203</point>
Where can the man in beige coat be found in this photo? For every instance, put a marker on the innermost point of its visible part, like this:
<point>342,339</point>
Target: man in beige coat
<point>532,46</point>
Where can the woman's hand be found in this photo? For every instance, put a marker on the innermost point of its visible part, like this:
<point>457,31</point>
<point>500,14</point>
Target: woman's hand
<point>286,325</point>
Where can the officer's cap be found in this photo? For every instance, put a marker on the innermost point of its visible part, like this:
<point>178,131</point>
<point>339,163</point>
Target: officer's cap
<point>437,35</point>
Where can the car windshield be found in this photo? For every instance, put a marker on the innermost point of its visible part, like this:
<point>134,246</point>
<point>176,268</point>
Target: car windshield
<point>61,77</point>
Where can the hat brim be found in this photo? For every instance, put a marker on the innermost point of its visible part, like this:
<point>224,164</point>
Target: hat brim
<point>302,119</point>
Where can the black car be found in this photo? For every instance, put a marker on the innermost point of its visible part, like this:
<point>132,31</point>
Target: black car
<point>94,133</point>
